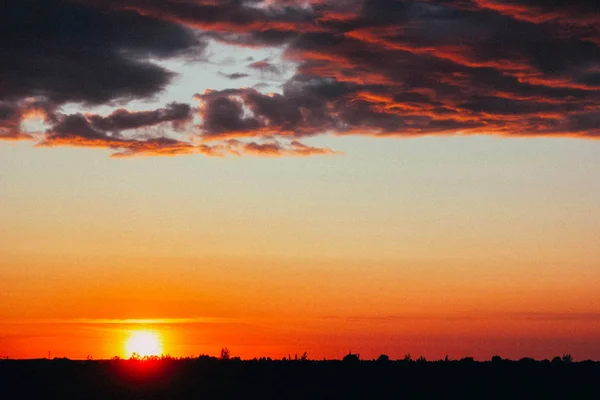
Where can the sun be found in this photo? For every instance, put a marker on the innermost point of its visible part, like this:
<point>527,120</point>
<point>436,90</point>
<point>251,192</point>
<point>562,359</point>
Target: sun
<point>144,343</point>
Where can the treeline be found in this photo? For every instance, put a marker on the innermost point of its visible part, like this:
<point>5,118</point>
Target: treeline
<point>350,357</point>
<point>297,377</point>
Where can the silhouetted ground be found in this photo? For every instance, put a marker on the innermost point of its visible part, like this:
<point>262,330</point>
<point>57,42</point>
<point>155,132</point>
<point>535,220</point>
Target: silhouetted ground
<point>210,378</point>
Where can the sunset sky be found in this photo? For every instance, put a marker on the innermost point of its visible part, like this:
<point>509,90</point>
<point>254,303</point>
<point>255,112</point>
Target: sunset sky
<point>278,176</point>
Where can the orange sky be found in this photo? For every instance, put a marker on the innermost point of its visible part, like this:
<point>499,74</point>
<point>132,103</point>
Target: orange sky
<point>324,276</point>
<point>413,252</point>
<point>279,177</point>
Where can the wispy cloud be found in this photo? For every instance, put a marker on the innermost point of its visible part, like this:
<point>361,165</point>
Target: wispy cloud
<point>468,316</point>
<point>125,321</point>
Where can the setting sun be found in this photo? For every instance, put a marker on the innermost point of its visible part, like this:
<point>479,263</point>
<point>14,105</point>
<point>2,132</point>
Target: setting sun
<point>143,343</point>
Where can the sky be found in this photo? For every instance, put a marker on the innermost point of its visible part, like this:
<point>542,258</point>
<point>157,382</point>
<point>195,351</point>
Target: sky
<point>283,177</point>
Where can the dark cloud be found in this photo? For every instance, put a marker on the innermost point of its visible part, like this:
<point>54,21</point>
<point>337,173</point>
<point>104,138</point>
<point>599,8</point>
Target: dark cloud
<point>264,66</point>
<point>304,108</point>
<point>375,67</point>
<point>12,114</point>
<point>588,123</point>
<point>62,52</point>
<point>10,120</point>
<point>9,113</point>
<point>228,19</point>
<point>224,115</point>
<point>235,75</point>
<point>122,119</point>
<point>105,132</point>
<point>95,131</point>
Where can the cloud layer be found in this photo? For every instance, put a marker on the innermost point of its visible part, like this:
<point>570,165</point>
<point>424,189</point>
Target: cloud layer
<point>370,67</point>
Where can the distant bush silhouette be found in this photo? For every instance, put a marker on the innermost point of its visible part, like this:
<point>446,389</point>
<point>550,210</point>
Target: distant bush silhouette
<point>351,357</point>
<point>225,354</point>
<point>383,358</point>
<point>567,358</point>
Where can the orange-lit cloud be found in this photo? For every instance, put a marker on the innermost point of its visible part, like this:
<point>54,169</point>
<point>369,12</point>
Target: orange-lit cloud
<point>374,67</point>
<point>276,149</point>
<point>95,131</point>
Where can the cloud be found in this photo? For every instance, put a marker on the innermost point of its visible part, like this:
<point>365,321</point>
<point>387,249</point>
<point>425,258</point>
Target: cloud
<point>61,51</point>
<point>540,316</point>
<point>273,148</point>
<point>96,131</point>
<point>304,109</point>
<point>10,118</point>
<point>80,130</point>
<point>122,321</point>
<point>235,75</point>
<point>122,119</point>
<point>369,67</point>
<point>13,114</point>
<point>264,66</point>
<point>410,67</point>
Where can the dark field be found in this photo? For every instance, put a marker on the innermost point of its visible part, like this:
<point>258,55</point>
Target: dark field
<point>212,378</point>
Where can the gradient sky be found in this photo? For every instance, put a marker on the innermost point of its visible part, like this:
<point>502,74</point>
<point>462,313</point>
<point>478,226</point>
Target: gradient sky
<point>370,176</point>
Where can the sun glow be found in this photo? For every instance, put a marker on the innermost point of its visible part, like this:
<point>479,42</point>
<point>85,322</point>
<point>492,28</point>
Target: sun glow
<point>143,343</point>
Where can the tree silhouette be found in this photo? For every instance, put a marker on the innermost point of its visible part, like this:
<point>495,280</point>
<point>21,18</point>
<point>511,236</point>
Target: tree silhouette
<point>225,354</point>
<point>567,358</point>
